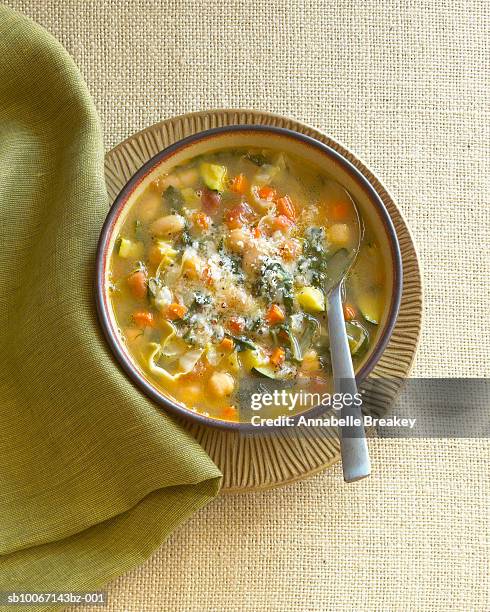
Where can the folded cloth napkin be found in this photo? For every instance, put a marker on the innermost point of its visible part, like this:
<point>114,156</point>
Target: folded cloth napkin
<point>93,476</point>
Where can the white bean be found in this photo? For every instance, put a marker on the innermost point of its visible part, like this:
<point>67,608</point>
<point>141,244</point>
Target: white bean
<point>168,225</point>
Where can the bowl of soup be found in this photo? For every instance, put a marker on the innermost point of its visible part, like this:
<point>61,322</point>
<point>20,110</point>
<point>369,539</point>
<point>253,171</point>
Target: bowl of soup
<point>212,266</point>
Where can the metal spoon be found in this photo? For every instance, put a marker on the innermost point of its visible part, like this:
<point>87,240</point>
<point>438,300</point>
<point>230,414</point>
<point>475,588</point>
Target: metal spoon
<point>354,450</point>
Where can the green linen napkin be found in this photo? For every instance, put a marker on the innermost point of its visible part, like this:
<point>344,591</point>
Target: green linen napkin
<point>93,476</point>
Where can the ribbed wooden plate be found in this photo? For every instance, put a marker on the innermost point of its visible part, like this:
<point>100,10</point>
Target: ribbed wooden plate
<point>256,462</point>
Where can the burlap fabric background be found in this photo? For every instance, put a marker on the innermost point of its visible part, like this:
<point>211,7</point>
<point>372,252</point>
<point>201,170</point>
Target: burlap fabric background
<point>405,84</point>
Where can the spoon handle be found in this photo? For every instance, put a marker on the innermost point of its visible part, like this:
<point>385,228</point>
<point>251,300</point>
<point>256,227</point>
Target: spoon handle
<point>354,450</point>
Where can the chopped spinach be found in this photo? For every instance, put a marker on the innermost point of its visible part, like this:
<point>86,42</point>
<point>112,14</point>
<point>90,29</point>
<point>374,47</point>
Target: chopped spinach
<point>154,285</point>
<point>315,256</point>
<point>185,238</point>
<point>299,344</point>
<point>199,300</point>
<point>190,336</point>
<point>257,158</point>
<point>241,343</point>
<point>256,324</point>
<point>310,332</point>
<point>173,199</point>
<point>234,261</point>
<point>275,281</point>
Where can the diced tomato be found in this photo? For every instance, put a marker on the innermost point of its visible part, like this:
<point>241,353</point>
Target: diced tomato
<point>143,318</point>
<point>239,215</point>
<point>267,193</point>
<point>239,184</point>
<point>285,207</point>
<point>176,311</point>
<point>275,315</point>
<point>282,223</point>
<point>236,325</point>
<point>278,356</point>
<point>210,201</point>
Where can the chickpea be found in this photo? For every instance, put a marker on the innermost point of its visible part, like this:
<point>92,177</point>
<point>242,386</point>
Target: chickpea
<point>168,225</point>
<point>221,384</point>
<point>238,240</point>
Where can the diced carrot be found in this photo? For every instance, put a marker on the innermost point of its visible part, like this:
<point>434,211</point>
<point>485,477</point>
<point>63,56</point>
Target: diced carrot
<point>267,193</point>
<point>349,312</point>
<point>143,318</point>
<point>236,325</point>
<point>176,311</point>
<point>278,356</point>
<point>226,345</point>
<point>256,233</point>
<point>239,184</point>
<point>201,219</point>
<point>285,207</point>
<point>137,284</point>
<point>275,315</point>
<point>282,223</point>
<point>339,211</point>
<point>230,413</point>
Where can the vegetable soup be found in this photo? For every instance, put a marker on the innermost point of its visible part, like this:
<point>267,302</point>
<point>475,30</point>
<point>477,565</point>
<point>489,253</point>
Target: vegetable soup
<point>218,277</point>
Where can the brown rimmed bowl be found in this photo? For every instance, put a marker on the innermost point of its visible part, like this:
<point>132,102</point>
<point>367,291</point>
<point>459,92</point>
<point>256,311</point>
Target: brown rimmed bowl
<point>333,163</point>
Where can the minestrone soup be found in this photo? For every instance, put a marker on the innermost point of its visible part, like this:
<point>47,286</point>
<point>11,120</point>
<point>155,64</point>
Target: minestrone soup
<point>218,276</point>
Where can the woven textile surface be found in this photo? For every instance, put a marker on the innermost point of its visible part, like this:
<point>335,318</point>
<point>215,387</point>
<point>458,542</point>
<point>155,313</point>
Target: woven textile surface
<point>404,84</point>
